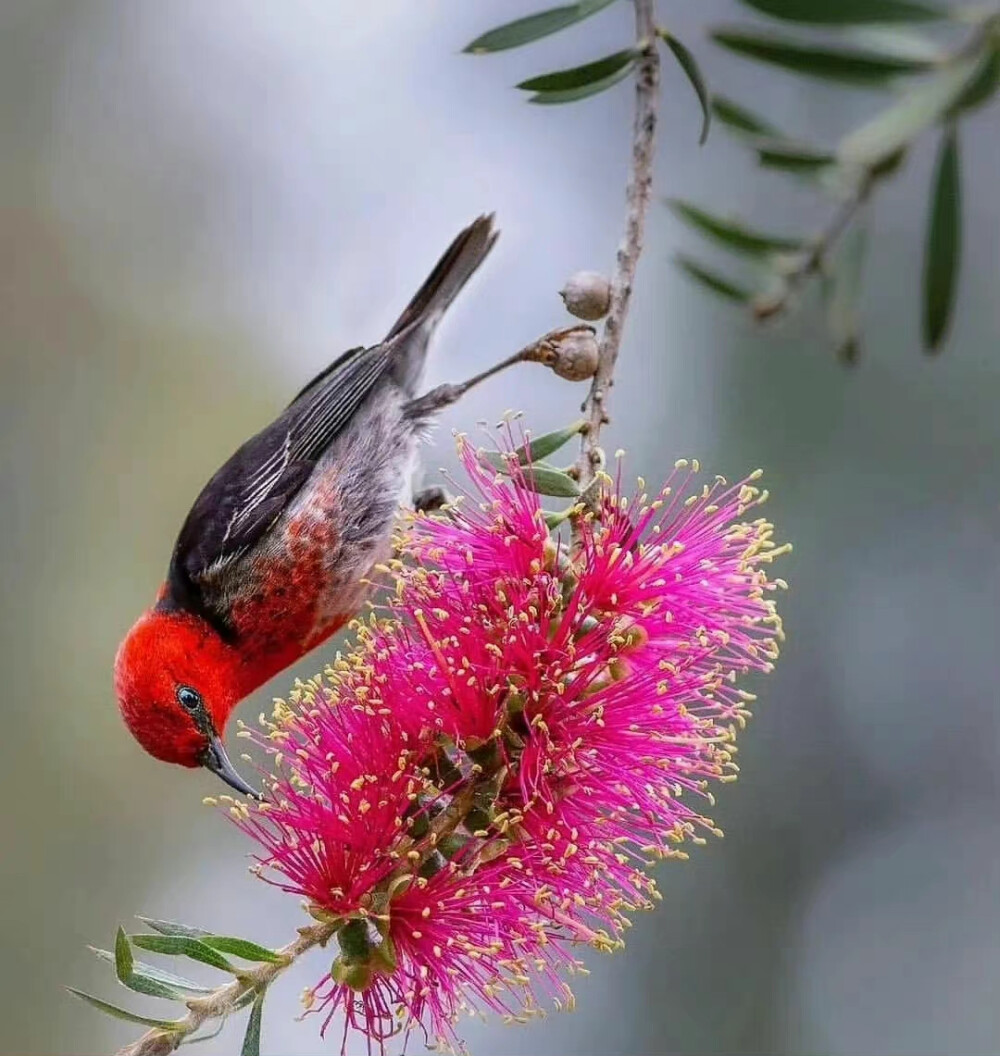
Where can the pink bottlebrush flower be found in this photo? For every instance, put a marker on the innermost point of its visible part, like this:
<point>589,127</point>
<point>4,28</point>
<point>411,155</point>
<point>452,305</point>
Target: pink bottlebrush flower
<point>484,781</point>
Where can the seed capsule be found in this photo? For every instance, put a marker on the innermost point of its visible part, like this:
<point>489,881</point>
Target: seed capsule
<point>587,295</point>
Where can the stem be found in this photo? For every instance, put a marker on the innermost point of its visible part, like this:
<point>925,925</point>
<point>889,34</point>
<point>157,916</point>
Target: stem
<point>223,1001</point>
<point>637,196</point>
<point>821,245</point>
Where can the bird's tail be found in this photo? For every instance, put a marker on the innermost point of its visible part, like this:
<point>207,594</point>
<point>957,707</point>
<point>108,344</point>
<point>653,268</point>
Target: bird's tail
<point>456,266</point>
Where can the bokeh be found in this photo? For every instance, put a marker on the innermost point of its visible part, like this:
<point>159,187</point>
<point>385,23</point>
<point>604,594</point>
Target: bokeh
<point>201,203</point>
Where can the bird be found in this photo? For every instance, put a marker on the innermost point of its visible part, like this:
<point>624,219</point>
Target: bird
<point>275,555</point>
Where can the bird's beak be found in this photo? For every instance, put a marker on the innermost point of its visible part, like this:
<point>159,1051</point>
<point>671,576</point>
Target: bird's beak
<point>216,760</point>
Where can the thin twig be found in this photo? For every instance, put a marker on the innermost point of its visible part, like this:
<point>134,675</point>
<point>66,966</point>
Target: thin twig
<point>223,1001</point>
<point>638,193</point>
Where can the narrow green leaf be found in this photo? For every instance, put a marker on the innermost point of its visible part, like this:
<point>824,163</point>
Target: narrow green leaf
<point>251,1040</point>
<point>170,927</point>
<point>897,41</point>
<point>844,12</point>
<point>983,86</point>
<point>183,988</point>
<point>689,65</point>
<point>792,157</point>
<point>534,27</point>
<point>548,443</point>
<point>712,280</point>
<point>249,951</point>
<point>739,119</point>
<point>944,242</point>
<point>580,76</point>
<point>731,233</point>
<point>123,1013</point>
<point>123,955</point>
<point>184,946</point>
<point>572,95</point>
<point>547,480</point>
<point>833,62</point>
<point>921,107</point>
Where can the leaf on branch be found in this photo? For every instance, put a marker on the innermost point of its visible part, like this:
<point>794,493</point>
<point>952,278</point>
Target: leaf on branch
<point>534,27</point>
<point>183,988</point>
<point>123,955</point>
<point>578,82</point>
<point>572,95</point>
<point>740,119</point>
<point>844,12</point>
<point>944,242</point>
<point>184,946</point>
<point>712,280</point>
<point>537,476</point>
<point>123,1013</point>
<point>548,443</point>
<point>732,234</point>
<point>170,927</point>
<point>983,86</point>
<point>797,158</point>
<point>833,62</point>
<point>547,480</point>
<point>251,1040</point>
<point>249,951</point>
<point>689,65</point>
<point>917,110</point>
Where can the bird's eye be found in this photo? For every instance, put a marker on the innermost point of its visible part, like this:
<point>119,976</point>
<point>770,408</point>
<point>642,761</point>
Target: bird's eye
<point>188,698</point>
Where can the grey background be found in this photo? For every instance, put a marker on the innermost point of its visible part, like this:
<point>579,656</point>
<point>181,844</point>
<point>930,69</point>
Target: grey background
<point>202,203</point>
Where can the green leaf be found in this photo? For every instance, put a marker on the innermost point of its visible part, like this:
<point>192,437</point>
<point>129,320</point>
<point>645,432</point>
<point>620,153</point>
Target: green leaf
<point>251,1040</point>
<point>123,955</point>
<point>534,27</point>
<point>712,280</point>
<point>944,242</point>
<point>572,95</point>
<point>249,951</point>
<point>983,86</point>
<point>181,988</point>
<point>896,41</point>
<point>792,157</point>
<point>842,12</point>
<point>548,443</point>
<point>580,76</point>
<point>739,119</point>
<point>731,233</point>
<point>184,946</point>
<point>833,62</point>
<point>170,927</point>
<point>921,107</point>
<point>547,480</point>
<point>123,1013</point>
<point>689,65</point>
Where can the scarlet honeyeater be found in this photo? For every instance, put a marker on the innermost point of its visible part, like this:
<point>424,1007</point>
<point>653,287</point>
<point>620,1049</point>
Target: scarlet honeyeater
<point>272,557</point>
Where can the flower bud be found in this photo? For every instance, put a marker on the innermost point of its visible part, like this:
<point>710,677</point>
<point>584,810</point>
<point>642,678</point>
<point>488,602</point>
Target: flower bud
<point>357,976</point>
<point>587,295</point>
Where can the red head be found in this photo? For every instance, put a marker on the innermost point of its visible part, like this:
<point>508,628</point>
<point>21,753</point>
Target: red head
<point>177,682</point>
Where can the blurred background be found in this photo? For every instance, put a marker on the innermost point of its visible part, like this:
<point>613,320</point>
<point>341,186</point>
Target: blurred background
<point>202,203</point>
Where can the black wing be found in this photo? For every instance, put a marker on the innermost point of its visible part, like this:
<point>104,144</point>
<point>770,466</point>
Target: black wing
<point>247,495</point>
